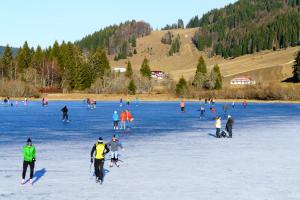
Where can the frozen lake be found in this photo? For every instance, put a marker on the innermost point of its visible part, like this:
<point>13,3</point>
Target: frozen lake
<point>169,154</point>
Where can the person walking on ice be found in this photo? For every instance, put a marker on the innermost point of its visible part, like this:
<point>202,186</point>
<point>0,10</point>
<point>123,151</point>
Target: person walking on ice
<point>114,146</point>
<point>229,126</point>
<point>100,149</point>
<point>65,114</point>
<point>202,111</point>
<point>182,106</point>
<point>218,126</point>
<point>29,159</point>
<point>116,120</point>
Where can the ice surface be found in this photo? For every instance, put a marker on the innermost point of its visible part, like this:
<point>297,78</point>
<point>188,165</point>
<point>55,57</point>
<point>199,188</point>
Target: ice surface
<point>169,154</point>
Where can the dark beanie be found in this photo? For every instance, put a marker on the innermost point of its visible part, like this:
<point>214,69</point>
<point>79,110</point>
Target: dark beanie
<point>29,140</point>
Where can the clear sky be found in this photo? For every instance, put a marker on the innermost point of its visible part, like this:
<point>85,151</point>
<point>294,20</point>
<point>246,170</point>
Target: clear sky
<point>44,21</point>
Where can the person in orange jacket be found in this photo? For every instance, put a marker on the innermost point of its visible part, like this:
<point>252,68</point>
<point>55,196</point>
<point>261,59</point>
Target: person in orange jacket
<point>182,106</point>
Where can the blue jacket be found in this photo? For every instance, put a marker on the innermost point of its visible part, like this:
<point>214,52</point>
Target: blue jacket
<point>115,117</point>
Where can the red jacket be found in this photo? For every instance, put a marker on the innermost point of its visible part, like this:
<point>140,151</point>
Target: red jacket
<point>123,116</point>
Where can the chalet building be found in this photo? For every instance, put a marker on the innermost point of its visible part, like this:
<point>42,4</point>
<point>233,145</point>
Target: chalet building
<point>158,75</point>
<point>119,69</point>
<point>242,81</point>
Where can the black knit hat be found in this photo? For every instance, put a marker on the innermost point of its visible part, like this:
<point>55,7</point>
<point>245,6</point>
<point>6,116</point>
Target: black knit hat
<point>100,139</point>
<point>29,140</point>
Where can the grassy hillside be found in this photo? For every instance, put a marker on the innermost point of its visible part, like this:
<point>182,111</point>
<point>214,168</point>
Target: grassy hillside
<point>184,63</point>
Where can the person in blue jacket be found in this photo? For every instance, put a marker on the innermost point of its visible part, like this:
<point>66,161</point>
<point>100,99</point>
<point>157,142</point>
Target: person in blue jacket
<point>116,120</point>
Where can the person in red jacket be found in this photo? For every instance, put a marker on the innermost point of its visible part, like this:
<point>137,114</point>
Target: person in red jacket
<point>123,120</point>
<point>245,104</point>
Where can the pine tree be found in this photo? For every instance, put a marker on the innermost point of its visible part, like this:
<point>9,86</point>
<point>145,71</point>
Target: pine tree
<point>145,69</point>
<point>175,46</point>
<point>201,73</point>
<point>180,24</point>
<point>296,71</point>
<point>99,64</point>
<point>218,81</point>
<point>129,71</point>
<point>133,41</point>
<point>6,61</point>
<point>132,87</point>
<point>181,87</point>
<point>37,58</point>
<point>24,57</point>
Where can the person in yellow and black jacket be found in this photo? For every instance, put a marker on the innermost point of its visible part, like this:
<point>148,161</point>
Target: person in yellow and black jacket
<point>100,149</point>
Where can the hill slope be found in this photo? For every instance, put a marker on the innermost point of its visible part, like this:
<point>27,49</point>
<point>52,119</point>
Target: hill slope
<point>184,63</point>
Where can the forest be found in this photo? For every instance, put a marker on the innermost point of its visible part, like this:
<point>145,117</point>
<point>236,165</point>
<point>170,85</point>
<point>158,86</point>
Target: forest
<point>248,26</point>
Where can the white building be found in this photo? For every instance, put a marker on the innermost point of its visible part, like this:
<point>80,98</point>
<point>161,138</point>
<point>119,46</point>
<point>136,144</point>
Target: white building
<point>119,69</point>
<point>242,81</point>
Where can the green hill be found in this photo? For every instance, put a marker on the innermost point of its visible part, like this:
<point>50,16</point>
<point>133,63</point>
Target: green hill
<point>248,26</point>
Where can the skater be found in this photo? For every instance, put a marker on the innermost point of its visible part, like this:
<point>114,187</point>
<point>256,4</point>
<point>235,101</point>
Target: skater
<point>29,159</point>
<point>100,150</point>
<point>114,146</point>
<point>213,101</point>
<point>213,110</point>
<point>229,126</point>
<point>233,105</point>
<point>121,102</point>
<point>65,114</point>
<point>245,104</point>
<point>182,106</point>
<point>137,101</point>
<point>225,108</point>
<point>129,118</point>
<point>25,101</point>
<point>128,101</point>
<point>44,101</point>
<point>116,120</point>
<point>202,111</point>
<point>218,126</point>
<point>123,120</point>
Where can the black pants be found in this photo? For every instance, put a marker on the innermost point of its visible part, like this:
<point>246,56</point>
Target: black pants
<point>182,109</point>
<point>98,164</point>
<point>218,130</point>
<point>65,116</point>
<point>25,165</point>
<point>116,123</point>
<point>229,130</point>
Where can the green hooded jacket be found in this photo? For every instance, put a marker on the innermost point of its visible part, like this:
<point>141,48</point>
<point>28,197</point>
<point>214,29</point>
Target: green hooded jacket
<point>29,153</point>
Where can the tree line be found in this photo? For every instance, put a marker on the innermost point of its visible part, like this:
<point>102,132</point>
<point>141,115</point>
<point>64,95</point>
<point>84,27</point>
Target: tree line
<point>64,66</point>
<point>117,39</point>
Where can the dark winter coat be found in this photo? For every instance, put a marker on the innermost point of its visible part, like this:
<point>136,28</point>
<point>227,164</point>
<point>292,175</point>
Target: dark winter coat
<point>229,123</point>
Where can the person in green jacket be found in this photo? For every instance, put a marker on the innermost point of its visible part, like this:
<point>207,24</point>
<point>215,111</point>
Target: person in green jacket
<point>29,159</point>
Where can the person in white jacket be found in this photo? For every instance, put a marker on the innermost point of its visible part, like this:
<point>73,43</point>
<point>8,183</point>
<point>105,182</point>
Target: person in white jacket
<point>218,125</point>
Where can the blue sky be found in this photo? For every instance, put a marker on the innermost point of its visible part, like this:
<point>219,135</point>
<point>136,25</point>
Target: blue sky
<point>42,22</point>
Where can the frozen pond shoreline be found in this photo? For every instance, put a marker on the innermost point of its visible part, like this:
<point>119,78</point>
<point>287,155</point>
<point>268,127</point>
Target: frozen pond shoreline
<point>168,156</point>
